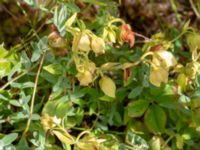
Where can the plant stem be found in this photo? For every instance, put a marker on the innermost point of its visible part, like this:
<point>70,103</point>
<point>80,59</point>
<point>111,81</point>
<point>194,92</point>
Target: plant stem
<point>142,36</point>
<point>142,58</point>
<point>33,96</point>
<point>97,117</point>
<point>165,143</point>
<point>81,134</point>
<point>14,79</point>
<point>194,9</point>
<point>17,77</point>
<point>173,5</point>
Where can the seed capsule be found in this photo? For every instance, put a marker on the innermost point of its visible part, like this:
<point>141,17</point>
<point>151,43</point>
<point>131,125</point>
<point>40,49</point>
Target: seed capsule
<point>84,43</point>
<point>98,45</point>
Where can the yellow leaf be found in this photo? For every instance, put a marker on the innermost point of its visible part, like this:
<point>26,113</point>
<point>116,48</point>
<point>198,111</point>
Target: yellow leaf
<point>158,75</point>
<point>54,69</point>
<point>87,145</point>
<point>64,137</point>
<point>107,85</point>
<point>71,20</point>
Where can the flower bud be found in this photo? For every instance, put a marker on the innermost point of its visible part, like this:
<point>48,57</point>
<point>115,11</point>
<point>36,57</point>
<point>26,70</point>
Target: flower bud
<point>166,58</point>
<point>84,43</point>
<point>91,67</point>
<point>86,76</point>
<point>98,45</point>
<point>127,35</point>
<point>56,41</point>
<point>57,44</point>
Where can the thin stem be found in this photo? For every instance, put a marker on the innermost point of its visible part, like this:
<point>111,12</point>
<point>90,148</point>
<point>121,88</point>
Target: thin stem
<point>116,20</point>
<point>81,134</point>
<point>167,141</point>
<point>33,96</point>
<point>115,132</point>
<point>10,13</point>
<point>79,128</point>
<point>176,38</point>
<point>142,36</point>
<point>17,77</point>
<point>142,58</point>
<point>97,117</point>
<point>194,9</point>
<point>14,79</point>
<point>173,5</point>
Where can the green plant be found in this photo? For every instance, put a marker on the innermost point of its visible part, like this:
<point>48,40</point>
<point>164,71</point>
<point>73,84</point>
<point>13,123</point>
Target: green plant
<point>87,85</point>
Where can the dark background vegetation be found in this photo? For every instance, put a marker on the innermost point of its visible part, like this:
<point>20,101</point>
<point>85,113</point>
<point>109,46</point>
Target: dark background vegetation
<point>145,16</point>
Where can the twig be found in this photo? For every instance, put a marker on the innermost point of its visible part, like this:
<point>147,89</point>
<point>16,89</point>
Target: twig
<point>33,96</point>
<point>10,13</point>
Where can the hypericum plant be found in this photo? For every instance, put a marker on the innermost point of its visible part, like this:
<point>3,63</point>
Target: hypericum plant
<point>89,85</point>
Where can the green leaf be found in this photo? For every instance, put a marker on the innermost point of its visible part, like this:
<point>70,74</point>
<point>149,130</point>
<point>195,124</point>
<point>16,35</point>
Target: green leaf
<point>9,138</point>
<point>36,52</point>
<point>62,108</point>
<point>135,92</point>
<point>106,98</point>
<point>7,60</point>
<point>32,3</point>
<point>136,141</point>
<point>23,144</point>
<point>137,108</point>
<point>59,18</point>
<point>193,40</point>
<point>107,85</point>
<point>155,119</point>
<point>73,7</point>
<point>54,69</point>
